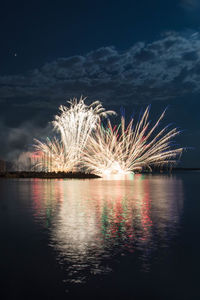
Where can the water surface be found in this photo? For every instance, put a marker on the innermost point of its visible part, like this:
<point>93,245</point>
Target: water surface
<point>136,238</point>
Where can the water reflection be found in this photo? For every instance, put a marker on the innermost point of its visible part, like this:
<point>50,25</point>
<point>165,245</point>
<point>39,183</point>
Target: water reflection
<point>93,221</point>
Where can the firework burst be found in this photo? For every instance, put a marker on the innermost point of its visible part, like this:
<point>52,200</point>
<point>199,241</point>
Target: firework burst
<point>121,150</point>
<point>74,124</point>
<point>53,156</point>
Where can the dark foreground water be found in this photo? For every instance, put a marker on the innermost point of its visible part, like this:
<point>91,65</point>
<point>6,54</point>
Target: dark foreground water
<point>134,239</point>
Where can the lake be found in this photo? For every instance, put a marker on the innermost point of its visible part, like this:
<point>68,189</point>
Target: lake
<point>136,238</point>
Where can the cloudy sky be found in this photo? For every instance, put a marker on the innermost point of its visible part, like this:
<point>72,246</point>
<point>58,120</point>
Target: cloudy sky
<point>124,53</point>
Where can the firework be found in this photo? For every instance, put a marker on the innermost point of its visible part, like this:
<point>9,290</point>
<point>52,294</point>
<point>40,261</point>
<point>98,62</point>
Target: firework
<point>74,124</point>
<point>121,150</point>
<point>53,157</point>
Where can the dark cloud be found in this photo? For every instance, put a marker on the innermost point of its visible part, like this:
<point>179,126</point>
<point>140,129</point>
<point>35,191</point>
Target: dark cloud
<point>161,70</point>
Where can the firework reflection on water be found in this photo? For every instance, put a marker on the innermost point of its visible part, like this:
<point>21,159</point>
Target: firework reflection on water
<point>92,222</point>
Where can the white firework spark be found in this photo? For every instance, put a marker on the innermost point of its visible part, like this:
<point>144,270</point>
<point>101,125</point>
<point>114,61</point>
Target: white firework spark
<point>74,124</point>
<point>53,156</point>
<point>123,149</point>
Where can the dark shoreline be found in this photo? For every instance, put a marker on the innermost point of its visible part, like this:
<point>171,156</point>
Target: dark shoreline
<point>78,175</point>
<point>49,175</point>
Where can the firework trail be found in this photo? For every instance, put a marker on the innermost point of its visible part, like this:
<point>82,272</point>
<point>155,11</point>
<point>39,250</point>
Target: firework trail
<point>120,150</point>
<point>53,156</point>
<point>74,124</point>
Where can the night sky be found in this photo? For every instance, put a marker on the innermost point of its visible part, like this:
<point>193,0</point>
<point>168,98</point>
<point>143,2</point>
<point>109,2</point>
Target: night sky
<point>123,53</point>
